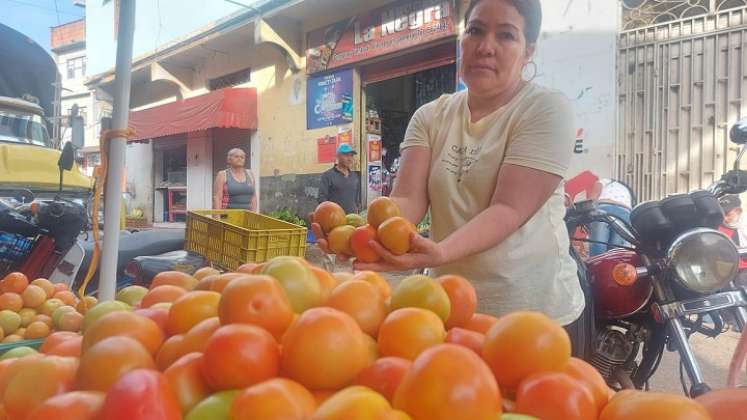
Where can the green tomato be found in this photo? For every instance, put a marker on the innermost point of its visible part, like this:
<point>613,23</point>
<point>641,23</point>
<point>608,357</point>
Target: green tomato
<point>214,407</point>
<point>18,352</point>
<point>514,416</point>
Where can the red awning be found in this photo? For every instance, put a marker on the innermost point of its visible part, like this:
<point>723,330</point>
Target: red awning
<point>225,108</point>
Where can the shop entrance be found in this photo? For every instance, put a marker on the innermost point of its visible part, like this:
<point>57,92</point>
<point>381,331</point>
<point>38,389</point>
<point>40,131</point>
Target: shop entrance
<point>390,104</point>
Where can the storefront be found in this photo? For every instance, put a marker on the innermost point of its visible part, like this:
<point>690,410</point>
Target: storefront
<point>402,55</point>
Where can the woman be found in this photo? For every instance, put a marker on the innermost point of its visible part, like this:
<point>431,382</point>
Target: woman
<point>234,187</point>
<point>489,162</point>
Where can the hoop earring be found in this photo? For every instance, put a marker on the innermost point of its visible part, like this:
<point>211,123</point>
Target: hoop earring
<point>534,70</point>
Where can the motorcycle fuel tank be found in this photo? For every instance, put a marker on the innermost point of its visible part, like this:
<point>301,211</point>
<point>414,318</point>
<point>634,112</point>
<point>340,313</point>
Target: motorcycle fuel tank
<point>612,300</point>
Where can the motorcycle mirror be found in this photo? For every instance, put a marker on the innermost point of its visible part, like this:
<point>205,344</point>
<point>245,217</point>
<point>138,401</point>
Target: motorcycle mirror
<point>738,133</point>
<point>65,163</point>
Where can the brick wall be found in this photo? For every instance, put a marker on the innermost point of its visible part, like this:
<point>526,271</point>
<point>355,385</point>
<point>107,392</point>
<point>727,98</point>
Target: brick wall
<point>69,33</point>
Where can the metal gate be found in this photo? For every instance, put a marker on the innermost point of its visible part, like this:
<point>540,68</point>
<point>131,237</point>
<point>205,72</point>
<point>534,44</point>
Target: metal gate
<point>681,86</point>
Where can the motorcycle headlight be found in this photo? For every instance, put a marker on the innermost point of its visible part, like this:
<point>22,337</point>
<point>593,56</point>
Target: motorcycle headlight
<point>704,260</point>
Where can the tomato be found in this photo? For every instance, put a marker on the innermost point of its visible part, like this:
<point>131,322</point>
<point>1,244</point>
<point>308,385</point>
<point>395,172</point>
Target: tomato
<point>449,382</point>
<point>327,282</point>
<point>380,210</point>
<point>106,361</point>
<point>725,403</point>
<point>480,323</point>
<point>186,380</point>
<point>544,346</point>
<point>56,338</point>
<point>37,381</point>
<point>141,394</point>
<point>195,340</point>
<point>240,355</point>
<point>247,268</point>
<point>420,291</point>
<point>157,315</point>
<point>469,339</point>
<point>359,244</point>
<point>384,375</point>
<point>174,278</point>
<point>297,280</point>
<point>11,301</point>
<point>223,280</point>
<point>214,407</point>
<point>407,332</point>
<point>462,297</point>
<point>204,272</point>
<point>652,405</point>
<point>374,278</point>
<point>77,405</point>
<point>339,240</point>
<point>555,396</point>
<point>274,399</point>
<point>159,294</point>
<point>190,309</point>
<point>207,282</point>
<point>591,378</point>
<point>71,347</point>
<point>395,234</point>
<point>362,301</point>
<point>14,283</point>
<point>329,215</point>
<point>125,324</point>
<point>365,403</point>
<point>259,300</point>
<point>324,349</point>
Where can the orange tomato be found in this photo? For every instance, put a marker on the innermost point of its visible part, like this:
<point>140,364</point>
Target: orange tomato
<point>124,324</point>
<point>174,278</point>
<point>170,351</point>
<point>384,375</point>
<point>14,282</point>
<point>259,300</point>
<point>204,272</point>
<point>462,297</point>
<point>11,301</point>
<point>365,403</point>
<point>71,347</point>
<point>338,240</point>
<point>60,287</point>
<point>159,294</point>
<point>206,282</point>
<point>76,405</point>
<point>555,396</point>
<point>324,349</point>
<point>103,363</point>
<point>329,215</point>
<point>469,339</point>
<point>240,355</point>
<point>276,398</point>
<point>395,235</point>
<point>362,301</point>
<point>407,332</point>
<point>195,340</point>
<point>247,268</point>
<point>591,378</point>
<point>725,403</point>
<point>220,283</point>
<point>380,210</point>
<point>480,323</point>
<point>45,284</point>
<point>35,330</point>
<point>9,368</point>
<point>158,315</point>
<point>190,309</point>
<point>376,279</point>
<point>66,296</point>
<point>327,282</point>
<point>359,244</point>
<point>544,346</point>
<point>36,382</point>
<point>652,405</point>
<point>56,338</point>
<point>373,348</point>
<point>449,382</point>
<point>187,382</point>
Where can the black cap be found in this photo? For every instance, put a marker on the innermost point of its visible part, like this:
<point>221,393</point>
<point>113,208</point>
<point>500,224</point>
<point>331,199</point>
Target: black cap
<point>730,202</point>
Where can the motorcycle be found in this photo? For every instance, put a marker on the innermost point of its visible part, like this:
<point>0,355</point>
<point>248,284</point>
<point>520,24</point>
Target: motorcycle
<point>675,277</point>
<point>40,238</point>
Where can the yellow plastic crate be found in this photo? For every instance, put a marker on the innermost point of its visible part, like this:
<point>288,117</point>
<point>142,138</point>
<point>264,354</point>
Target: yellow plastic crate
<point>230,238</point>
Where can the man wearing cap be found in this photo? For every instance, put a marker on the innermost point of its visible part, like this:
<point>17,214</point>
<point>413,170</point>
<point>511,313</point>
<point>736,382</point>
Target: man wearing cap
<point>341,184</point>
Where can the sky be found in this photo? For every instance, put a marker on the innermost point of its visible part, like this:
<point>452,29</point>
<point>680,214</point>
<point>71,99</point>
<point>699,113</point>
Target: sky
<point>34,18</point>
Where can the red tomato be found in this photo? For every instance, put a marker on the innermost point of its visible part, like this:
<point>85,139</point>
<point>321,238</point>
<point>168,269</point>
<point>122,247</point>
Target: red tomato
<point>77,405</point>
<point>185,378</point>
<point>157,315</point>
<point>470,339</point>
<point>240,355</point>
<point>384,375</point>
<point>359,243</point>
<point>141,394</point>
<point>555,396</point>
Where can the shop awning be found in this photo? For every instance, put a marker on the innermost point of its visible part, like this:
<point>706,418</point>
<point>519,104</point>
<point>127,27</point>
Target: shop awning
<point>225,108</point>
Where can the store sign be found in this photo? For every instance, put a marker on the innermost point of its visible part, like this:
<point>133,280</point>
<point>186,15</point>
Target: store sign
<point>329,100</point>
<point>381,31</point>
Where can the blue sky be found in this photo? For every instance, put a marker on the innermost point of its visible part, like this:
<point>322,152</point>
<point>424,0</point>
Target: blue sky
<point>33,18</point>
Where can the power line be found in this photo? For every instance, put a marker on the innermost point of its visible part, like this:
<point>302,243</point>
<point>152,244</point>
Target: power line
<point>22,3</point>
<point>57,10</point>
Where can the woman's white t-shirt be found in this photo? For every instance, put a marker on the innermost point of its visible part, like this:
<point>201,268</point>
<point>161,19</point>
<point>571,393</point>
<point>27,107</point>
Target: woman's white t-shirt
<point>532,269</point>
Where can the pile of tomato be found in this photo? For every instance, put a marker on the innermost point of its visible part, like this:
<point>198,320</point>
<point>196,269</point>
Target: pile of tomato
<point>288,340</point>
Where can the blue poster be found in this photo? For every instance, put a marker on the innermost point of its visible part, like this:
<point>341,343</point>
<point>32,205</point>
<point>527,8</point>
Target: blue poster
<point>329,99</point>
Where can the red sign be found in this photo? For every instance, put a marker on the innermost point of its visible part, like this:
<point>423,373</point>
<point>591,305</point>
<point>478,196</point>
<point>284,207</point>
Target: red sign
<point>326,149</point>
<point>381,31</point>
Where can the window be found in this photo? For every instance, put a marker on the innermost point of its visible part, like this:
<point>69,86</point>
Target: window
<point>231,79</point>
<point>76,67</point>
<point>82,112</point>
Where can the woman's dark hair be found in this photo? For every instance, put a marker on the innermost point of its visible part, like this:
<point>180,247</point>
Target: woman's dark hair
<point>530,10</point>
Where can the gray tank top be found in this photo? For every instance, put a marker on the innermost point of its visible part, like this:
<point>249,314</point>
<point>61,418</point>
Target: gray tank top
<point>239,193</point>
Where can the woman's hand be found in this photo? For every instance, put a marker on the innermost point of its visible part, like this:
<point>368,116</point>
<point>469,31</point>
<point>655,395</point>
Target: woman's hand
<point>424,253</point>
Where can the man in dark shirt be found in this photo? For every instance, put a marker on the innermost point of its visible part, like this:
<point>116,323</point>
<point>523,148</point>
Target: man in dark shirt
<point>341,184</point>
